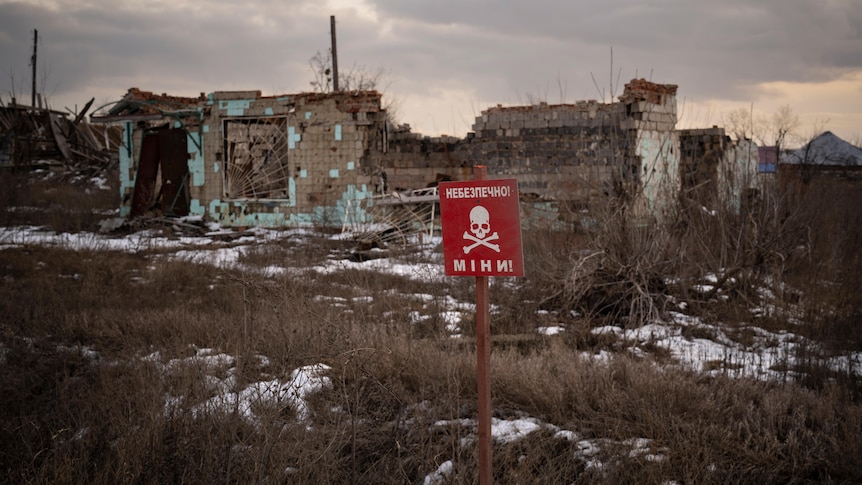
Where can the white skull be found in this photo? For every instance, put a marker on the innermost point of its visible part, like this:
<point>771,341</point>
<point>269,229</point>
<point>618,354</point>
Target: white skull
<point>480,221</point>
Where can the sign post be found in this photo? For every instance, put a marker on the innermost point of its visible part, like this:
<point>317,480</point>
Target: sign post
<point>481,227</point>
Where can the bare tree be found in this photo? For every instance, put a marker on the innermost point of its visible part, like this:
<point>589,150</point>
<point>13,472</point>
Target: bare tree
<point>783,124</point>
<point>357,78</point>
<point>776,130</point>
<point>321,69</point>
<point>740,123</point>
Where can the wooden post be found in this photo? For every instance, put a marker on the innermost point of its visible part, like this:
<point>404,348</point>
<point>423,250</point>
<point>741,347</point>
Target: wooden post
<point>483,364</point>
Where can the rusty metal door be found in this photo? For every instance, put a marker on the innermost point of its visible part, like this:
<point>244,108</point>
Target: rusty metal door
<point>173,148</point>
<point>145,181</point>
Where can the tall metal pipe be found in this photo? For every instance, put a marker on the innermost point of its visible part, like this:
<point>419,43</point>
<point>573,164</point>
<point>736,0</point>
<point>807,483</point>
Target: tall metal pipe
<point>334,54</point>
<point>33,63</point>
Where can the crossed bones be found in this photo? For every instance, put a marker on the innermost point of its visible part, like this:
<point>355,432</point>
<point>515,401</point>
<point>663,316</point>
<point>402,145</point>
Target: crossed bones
<point>481,242</point>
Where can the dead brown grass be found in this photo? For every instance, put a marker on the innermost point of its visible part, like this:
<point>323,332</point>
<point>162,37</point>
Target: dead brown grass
<point>68,415</point>
<point>69,418</point>
<point>56,200</point>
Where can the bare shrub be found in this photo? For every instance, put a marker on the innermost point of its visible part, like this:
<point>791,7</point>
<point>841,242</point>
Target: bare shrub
<point>622,276</point>
<point>715,249</point>
<point>548,255</point>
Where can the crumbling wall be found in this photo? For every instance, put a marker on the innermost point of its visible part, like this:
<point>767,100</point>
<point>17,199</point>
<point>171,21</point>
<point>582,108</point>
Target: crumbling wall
<point>569,153</point>
<point>714,165</point>
<point>651,118</point>
<point>557,152</point>
<point>413,161</point>
<point>279,160</point>
<point>325,167</point>
<point>700,153</point>
<point>314,158</point>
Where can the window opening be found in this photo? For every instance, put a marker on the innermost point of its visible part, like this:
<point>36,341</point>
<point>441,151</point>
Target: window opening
<point>256,162</point>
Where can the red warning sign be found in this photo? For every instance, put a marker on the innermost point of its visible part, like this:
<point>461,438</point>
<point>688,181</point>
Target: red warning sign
<point>481,228</point>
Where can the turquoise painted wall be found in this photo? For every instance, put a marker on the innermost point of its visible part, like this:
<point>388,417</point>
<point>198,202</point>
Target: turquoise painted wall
<point>127,169</point>
<point>278,214</point>
<point>196,160</point>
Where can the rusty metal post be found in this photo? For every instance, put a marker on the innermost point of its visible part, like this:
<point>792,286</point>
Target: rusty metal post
<point>33,64</point>
<point>334,54</point>
<point>483,364</point>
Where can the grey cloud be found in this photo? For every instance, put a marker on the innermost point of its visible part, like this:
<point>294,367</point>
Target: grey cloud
<point>215,48</point>
<point>502,51</point>
<point>752,42</point>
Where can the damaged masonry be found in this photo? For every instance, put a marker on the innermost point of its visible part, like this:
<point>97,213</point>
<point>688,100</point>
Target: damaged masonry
<point>333,159</point>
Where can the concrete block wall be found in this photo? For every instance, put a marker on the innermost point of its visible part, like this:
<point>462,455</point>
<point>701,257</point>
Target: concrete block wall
<point>327,137</point>
<point>504,121</point>
<point>714,165</point>
<point>571,162</point>
<point>413,161</point>
<point>700,153</point>
<point>563,152</point>
<point>129,159</point>
<point>657,185</point>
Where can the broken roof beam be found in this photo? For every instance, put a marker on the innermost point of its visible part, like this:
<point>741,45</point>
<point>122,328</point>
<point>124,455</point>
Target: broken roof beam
<point>115,118</point>
<point>138,105</point>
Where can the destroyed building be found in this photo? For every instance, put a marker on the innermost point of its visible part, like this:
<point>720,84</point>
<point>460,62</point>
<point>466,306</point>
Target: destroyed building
<point>240,159</point>
<point>564,153</point>
<point>32,137</point>
<point>243,159</point>
<point>714,166</point>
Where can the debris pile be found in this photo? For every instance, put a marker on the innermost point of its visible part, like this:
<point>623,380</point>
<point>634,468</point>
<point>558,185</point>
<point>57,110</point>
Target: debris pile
<point>38,137</point>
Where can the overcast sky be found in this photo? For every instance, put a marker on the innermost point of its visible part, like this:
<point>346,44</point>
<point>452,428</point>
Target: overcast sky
<point>446,60</point>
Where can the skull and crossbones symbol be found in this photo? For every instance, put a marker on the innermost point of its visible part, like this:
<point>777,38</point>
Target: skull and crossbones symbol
<point>480,226</point>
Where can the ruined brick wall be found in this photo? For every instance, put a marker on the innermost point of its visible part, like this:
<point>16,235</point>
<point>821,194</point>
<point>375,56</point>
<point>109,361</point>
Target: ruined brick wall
<point>558,152</point>
<point>414,161</point>
<point>254,160</point>
<point>561,152</point>
<point>320,154</point>
<point>566,152</point>
<point>713,165</point>
<point>327,137</point>
<point>701,150</point>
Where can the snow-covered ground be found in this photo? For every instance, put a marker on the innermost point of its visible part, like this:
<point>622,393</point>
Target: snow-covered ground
<point>768,355</point>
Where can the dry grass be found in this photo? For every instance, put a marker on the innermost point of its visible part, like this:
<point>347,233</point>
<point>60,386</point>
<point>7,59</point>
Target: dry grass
<point>70,416</point>
<point>62,202</point>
